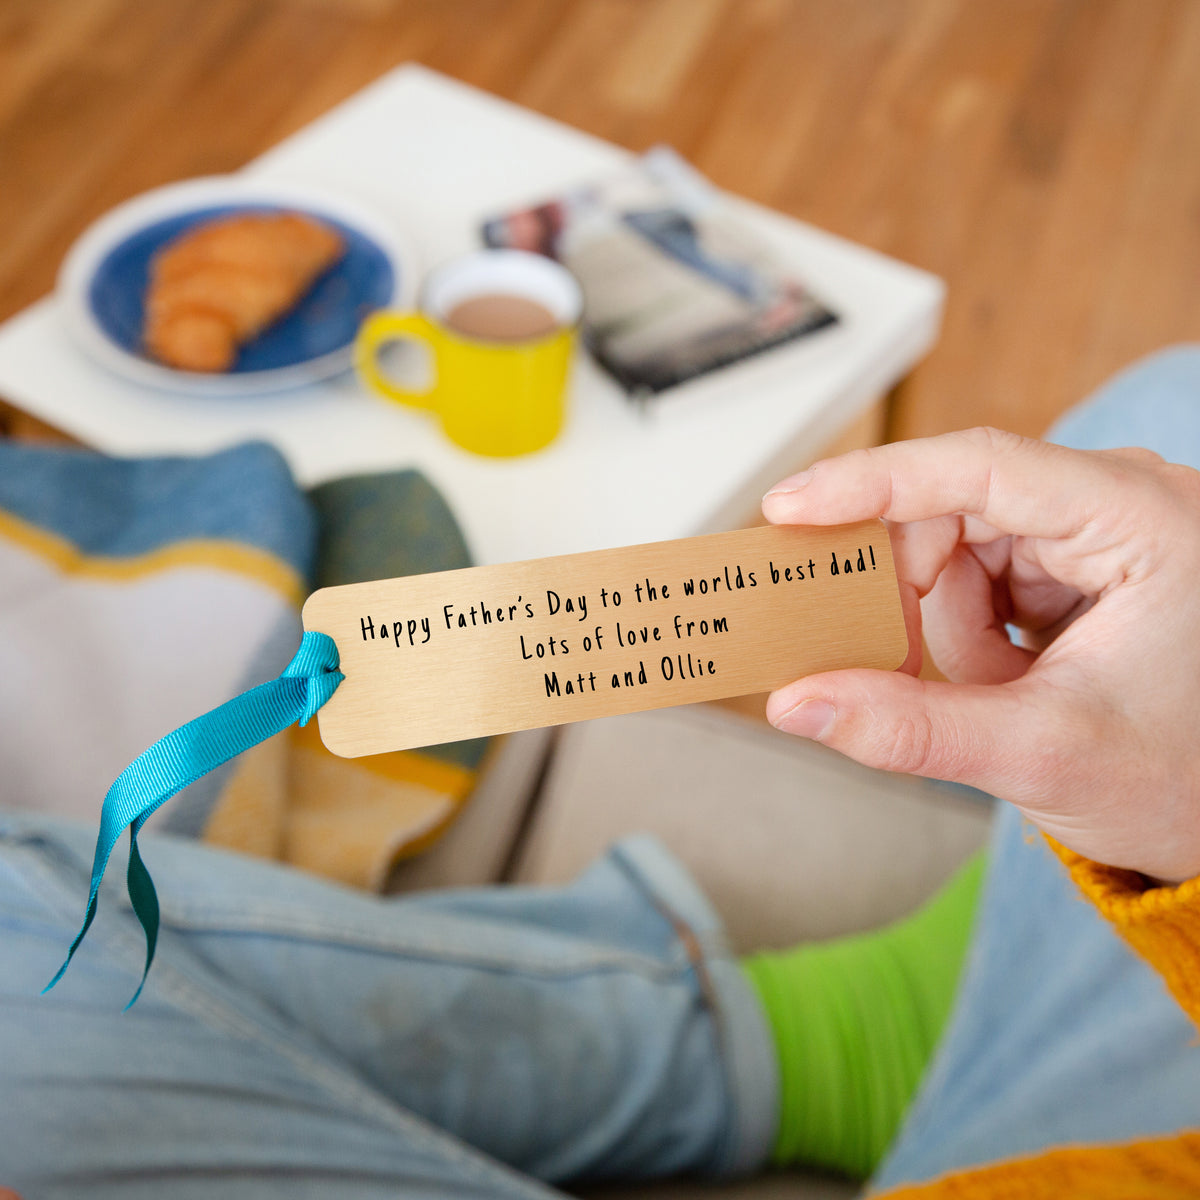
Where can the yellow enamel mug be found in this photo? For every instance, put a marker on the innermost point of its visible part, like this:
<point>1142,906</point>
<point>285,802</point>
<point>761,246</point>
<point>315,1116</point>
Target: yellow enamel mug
<point>493,397</point>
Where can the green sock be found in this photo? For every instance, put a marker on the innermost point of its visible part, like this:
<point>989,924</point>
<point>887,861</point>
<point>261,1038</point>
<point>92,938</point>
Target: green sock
<point>855,1022</point>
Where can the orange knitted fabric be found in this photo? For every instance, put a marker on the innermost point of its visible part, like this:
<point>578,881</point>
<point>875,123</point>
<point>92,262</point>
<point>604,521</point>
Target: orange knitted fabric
<point>1163,925</point>
<point>1163,1169</point>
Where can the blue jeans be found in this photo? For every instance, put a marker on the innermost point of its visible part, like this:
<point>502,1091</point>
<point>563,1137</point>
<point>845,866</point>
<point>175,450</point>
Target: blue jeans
<point>296,1039</point>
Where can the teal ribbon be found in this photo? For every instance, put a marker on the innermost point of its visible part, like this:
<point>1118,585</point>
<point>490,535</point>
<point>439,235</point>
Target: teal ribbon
<point>192,751</point>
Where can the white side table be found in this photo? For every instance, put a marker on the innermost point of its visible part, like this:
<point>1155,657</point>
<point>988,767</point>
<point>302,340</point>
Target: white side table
<point>439,156</point>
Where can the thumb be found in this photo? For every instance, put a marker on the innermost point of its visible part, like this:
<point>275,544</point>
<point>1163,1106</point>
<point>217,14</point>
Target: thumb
<point>973,734</point>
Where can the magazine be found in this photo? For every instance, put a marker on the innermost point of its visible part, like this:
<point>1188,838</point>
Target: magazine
<point>674,285</point>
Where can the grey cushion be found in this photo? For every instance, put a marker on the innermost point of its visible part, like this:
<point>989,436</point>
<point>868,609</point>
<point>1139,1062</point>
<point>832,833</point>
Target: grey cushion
<point>789,840</point>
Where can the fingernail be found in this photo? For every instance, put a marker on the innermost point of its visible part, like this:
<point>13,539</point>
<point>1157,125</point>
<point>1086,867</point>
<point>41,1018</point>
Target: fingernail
<point>793,483</point>
<point>809,719</point>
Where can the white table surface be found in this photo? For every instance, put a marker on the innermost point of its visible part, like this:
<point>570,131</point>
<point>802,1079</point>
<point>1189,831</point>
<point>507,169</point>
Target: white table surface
<point>438,156</point>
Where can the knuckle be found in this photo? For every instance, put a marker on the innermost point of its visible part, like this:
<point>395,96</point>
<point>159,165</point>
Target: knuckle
<point>1184,482</point>
<point>909,747</point>
<point>999,441</point>
<point>857,464</point>
<point>1165,503</point>
<point>1135,467</point>
<point>994,449</point>
<point>1141,455</point>
<point>875,467</point>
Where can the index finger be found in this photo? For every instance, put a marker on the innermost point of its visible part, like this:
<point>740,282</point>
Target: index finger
<point>1018,485</point>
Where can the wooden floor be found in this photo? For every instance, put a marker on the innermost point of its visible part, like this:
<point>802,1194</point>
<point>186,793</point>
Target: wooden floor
<point>1041,155</point>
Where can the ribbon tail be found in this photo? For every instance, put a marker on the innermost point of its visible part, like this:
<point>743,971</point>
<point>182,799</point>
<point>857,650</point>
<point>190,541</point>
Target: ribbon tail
<point>189,753</point>
<point>87,924</point>
<point>144,899</point>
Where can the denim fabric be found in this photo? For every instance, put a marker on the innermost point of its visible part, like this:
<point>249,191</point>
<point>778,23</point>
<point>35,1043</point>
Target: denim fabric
<point>297,1039</point>
<point>1060,1033</point>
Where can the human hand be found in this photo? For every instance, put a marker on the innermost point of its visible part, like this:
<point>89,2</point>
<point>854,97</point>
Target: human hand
<point>1091,731</point>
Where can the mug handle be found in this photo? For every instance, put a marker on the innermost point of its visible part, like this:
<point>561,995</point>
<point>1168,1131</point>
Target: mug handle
<point>382,327</point>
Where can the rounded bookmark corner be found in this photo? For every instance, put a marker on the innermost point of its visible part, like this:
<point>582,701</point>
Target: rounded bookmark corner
<point>330,740</point>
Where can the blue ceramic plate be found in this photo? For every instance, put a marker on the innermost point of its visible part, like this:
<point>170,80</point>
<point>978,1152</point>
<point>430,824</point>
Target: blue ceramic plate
<point>103,284</point>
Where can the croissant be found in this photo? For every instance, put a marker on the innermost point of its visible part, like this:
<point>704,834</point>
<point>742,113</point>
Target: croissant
<point>222,283</point>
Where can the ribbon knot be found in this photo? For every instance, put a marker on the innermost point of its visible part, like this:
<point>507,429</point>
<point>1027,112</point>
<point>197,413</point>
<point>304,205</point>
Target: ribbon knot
<point>316,662</point>
<point>189,753</point>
